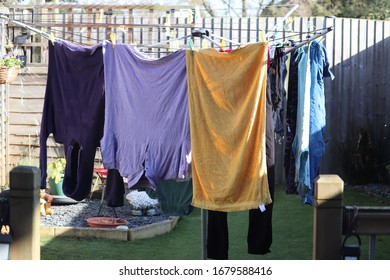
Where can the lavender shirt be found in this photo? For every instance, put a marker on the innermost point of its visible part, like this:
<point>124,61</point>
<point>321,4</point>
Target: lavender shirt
<point>146,127</point>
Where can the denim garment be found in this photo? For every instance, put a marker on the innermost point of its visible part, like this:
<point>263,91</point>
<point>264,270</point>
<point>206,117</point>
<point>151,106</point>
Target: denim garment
<point>301,140</point>
<point>319,69</point>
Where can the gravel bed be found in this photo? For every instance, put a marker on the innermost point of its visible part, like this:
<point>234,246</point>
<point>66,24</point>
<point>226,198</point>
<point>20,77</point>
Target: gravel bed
<point>76,215</point>
<point>377,190</point>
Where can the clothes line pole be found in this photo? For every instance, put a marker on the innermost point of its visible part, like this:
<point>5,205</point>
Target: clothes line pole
<point>203,218</point>
<point>328,29</point>
<point>277,25</point>
<point>21,24</point>
<point>3,117</point>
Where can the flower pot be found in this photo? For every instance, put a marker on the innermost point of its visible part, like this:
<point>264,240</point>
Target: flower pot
<point>56,188</point>
<point>8,75</point>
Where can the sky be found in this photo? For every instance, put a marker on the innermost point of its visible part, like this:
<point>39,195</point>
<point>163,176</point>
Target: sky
<point>219,6</point>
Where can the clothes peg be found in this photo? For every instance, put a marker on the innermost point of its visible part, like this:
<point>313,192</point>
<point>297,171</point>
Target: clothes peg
<point>289,21</point>
<point>100,16</point>
<point>51,38</point>
<point>262,36</point>
<point>113,39</point>
<point>222,45</point>
<point>191,45</point>
<point>311,29</point>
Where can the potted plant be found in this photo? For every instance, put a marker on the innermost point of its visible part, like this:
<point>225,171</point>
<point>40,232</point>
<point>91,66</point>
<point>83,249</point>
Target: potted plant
<point>55,173</point>
<point>9,67</point>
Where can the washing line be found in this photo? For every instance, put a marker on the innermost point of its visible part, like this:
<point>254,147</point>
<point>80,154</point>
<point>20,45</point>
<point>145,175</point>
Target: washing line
<point>40,32</point>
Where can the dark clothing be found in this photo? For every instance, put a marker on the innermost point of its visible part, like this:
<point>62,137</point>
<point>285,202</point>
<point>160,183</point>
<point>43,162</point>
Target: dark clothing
<point>291,119</point>
<point>217,235</point>
<point>115,189</point>
<point>259,236</point>
<point>260,223</point>
<point>275,82</point>
<point>74,112</point>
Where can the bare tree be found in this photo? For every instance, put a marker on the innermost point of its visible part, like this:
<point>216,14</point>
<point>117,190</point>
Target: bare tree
<point>230,7</point>
<point>206,5</point>
<point>243,7</point>
<point>375,9</point>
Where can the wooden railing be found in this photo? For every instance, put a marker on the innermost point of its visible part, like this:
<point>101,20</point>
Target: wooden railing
<point>333,220</point>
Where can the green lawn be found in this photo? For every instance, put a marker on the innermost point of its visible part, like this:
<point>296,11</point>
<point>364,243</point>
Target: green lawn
<point>292,237</point>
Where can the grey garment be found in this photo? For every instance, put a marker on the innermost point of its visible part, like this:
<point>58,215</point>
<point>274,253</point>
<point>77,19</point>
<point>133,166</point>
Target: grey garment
<point>146,129</point>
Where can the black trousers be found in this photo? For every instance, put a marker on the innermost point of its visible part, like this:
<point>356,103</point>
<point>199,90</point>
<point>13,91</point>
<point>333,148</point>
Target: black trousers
<point>259,236</point>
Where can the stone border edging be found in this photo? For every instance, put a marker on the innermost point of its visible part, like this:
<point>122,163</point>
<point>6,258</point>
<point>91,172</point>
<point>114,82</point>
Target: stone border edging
<point>130,234</point>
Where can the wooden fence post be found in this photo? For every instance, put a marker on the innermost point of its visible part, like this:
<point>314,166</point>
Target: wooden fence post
<point>24,213</point>
<point>328,217</point>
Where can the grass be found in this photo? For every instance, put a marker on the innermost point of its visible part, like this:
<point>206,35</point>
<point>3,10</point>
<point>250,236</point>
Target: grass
<point>292,237</point>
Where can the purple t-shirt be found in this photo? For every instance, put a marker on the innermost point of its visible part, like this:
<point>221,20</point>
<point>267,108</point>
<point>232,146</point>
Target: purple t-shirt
<point>146,127</point>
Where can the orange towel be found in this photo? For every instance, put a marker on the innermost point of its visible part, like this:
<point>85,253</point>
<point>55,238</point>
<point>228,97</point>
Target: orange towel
<point>227,99</point>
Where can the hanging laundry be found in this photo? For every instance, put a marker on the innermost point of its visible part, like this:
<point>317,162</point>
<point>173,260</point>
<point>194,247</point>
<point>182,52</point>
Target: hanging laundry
<point>217,245</point>
<point>175,197</point>
<point>275,79</point>
<point>146,129</point>
<point>74,112</point>
<point>309,144</point>
<point>259,236</point>
<point>319,69</point>
<point>227,119</point>
<point>291,122</point>
<point>301,140</point>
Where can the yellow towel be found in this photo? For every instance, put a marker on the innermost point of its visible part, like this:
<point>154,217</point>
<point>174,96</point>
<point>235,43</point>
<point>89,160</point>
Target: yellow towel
<point>227,99</point>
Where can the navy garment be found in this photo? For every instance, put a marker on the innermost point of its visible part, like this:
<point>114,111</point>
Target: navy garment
<point>73,112</point>
<point>291,120</point>
<point>275,79</point>
<point>115,189</point>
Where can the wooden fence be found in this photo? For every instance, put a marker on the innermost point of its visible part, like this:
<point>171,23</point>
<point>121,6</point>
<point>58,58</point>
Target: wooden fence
<point>357,101</point>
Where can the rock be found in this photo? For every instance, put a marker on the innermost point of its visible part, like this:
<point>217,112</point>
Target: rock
<point>139,200</point>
